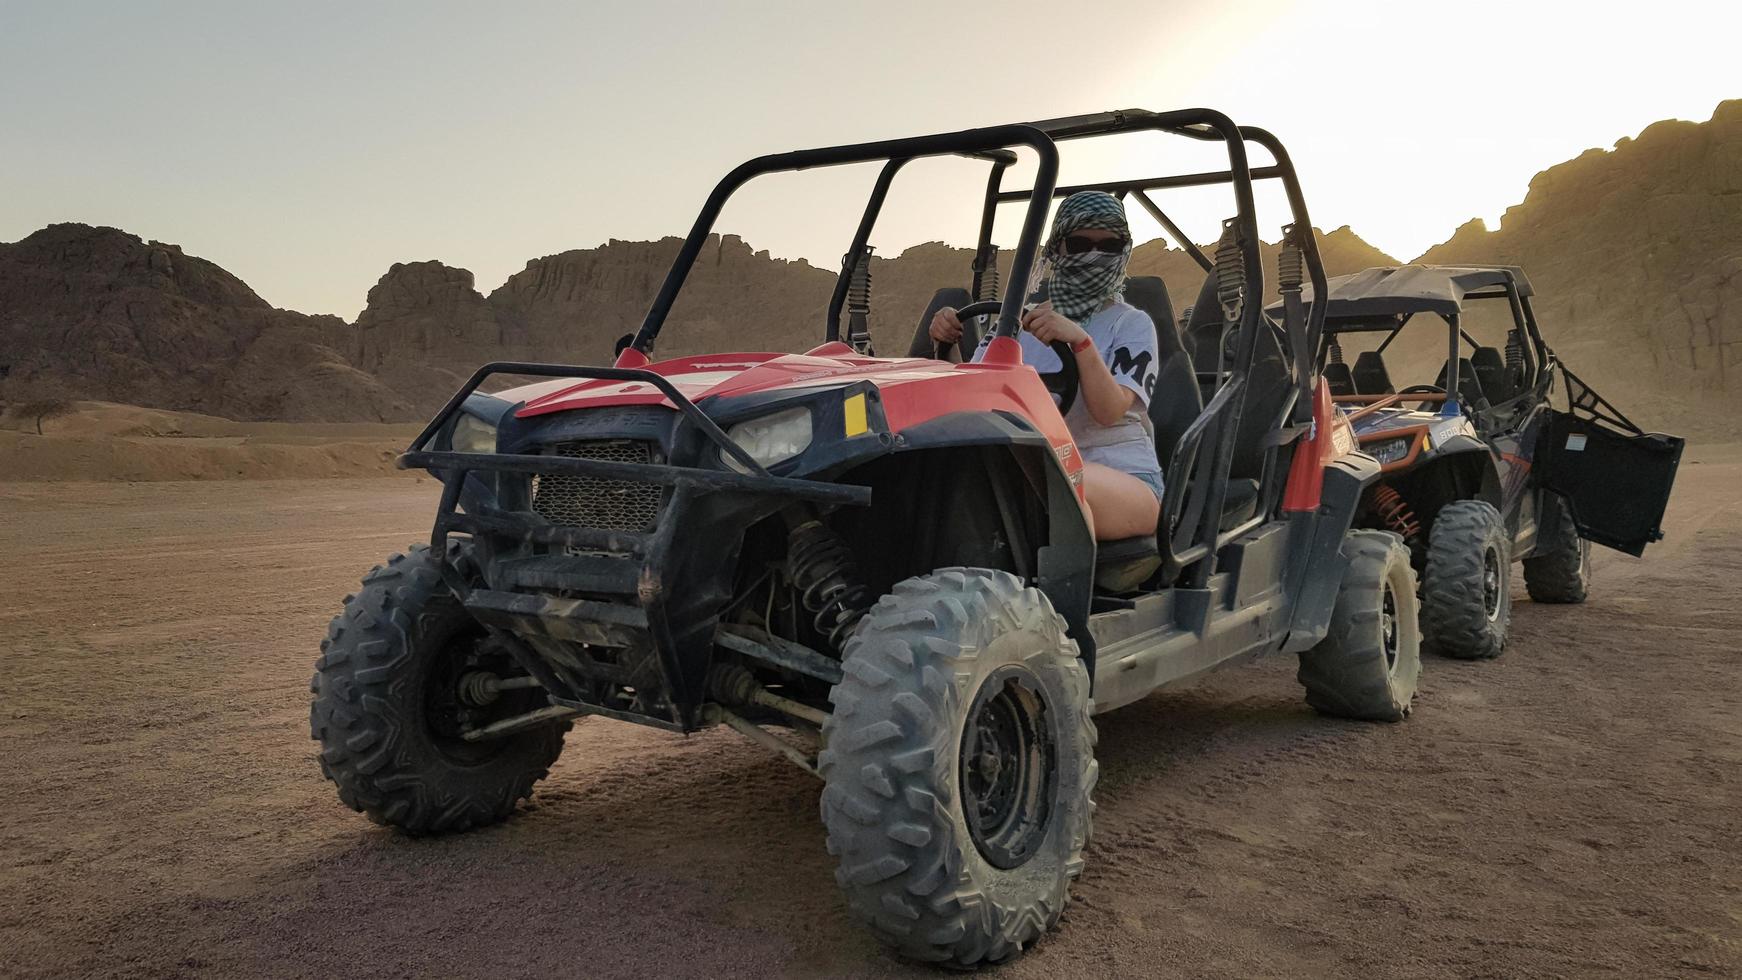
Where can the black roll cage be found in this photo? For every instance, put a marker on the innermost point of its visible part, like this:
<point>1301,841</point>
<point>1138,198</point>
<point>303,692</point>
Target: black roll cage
<point>1199,536</point>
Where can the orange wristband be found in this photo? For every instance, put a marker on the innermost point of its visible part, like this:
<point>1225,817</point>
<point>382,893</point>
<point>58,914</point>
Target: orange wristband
<point>1082,345</point>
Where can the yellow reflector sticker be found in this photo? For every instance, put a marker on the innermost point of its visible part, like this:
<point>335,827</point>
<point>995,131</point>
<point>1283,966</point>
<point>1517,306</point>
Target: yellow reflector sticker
<point>854,410</point>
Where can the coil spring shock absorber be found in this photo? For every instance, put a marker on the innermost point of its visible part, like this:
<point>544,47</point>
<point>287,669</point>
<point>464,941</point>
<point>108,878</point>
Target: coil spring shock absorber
<point>1230,291</point>
<point>859,301</point>
<point>827,579</point>
<point>1514,357</point>
<point>1230,273</point>
<point>986,274</point>
<point>1336,351</point>
<point>1395,513</point>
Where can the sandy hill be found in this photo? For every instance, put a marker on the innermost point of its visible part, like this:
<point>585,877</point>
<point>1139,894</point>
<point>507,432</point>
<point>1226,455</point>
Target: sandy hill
<point>1636,252</point>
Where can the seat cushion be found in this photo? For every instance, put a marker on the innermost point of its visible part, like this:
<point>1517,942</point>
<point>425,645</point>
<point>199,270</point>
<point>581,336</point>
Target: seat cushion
<point>1124,565</point>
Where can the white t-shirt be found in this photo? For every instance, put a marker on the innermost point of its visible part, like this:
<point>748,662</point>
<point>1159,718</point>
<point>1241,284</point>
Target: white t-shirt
<point>1125,336</point>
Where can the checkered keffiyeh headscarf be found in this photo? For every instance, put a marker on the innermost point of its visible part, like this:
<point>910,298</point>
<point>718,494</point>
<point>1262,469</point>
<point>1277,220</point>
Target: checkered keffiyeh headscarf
<point>1079,284</point>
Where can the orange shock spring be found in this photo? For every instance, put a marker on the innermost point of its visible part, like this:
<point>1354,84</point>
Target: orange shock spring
<point>1395,513</point>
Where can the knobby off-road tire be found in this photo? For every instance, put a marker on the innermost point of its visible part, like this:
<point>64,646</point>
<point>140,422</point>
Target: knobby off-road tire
<point>1560,568</point>
<point>941,672</point>
<point>1466,593</point>
<point>383,688</point>
<point>1368,665</point>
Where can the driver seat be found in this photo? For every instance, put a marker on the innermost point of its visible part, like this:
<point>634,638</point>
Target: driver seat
<point>1371,377</point>
<point>1469,386</point>
<point>1124,565</point>
<point>1490,368</point>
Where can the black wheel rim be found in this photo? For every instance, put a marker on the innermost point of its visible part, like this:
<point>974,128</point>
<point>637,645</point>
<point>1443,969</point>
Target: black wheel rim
<point>453,703</point>
<point>1388,628</point>
<point>1007,767</point>
<point>1491,583</point>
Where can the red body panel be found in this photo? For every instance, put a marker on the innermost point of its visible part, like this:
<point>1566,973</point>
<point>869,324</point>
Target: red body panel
<point>913,390</point>
<point>1331,437</point>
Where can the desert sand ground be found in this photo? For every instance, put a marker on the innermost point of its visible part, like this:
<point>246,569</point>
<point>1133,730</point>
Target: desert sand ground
<point>1568,810</point>
<point>106,441</point>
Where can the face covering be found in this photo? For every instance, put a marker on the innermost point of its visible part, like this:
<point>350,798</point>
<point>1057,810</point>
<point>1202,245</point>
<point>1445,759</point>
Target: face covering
<point>1079,284</point>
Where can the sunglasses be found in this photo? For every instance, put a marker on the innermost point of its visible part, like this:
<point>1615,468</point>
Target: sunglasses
<point>1078,244</point>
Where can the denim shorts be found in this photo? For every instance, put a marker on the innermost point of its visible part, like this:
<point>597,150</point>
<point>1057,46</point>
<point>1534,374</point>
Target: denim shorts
<point>1151,479</point>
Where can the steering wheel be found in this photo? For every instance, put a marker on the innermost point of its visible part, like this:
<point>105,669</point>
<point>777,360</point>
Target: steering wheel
<point>1422,390</point>
<point>1063,383</point>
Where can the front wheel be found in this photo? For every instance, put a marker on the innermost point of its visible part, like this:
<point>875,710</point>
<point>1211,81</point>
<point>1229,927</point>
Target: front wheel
<point>959,767</point>
<point>404,672</point>
<point>1466,593</point>
<point>1369,662</point>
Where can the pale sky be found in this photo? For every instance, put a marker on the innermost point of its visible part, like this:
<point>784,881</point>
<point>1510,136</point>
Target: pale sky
<point>308,146</point>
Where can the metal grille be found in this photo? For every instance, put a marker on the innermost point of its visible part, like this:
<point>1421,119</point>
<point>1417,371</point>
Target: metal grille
<point>585,501</point>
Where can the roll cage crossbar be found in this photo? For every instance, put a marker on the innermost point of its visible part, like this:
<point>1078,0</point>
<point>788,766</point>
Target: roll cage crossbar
<point>992,145</point>
<point>1199,536</point>
<point>973,142</point>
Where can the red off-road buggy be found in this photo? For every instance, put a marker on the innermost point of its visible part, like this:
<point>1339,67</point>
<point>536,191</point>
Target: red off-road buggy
<point>886,560</point>
<point>1479,470</point>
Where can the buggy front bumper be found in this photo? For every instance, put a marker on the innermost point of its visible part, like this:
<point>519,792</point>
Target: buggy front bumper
<point>612,622</point>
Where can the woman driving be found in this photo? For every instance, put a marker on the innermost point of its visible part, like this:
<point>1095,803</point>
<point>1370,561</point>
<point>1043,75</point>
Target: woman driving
<point>1115,347</point>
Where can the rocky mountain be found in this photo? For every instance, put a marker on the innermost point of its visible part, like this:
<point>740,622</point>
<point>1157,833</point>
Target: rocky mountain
<point>426,326</point>
<point>97,313</point>
<point>1342,251</point>
<point>1636,257</point>
<point>1636,253</point>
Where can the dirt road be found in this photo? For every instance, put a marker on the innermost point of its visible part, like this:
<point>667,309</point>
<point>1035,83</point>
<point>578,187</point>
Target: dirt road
<point>1568,810</point>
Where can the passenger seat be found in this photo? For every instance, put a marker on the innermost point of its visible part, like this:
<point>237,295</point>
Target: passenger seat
<point>1339,378</point>
<point>954,297</point>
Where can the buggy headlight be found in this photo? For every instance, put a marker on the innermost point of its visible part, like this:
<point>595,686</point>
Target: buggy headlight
<point>473,435</point>
<point>1389,451</point>
<point>771,438</point>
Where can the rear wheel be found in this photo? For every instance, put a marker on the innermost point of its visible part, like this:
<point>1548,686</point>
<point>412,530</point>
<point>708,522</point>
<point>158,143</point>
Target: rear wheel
<point>1369,663</point>
<point>1466,594</point>
<point>1559,570</point>
<point>959,767</point>
<point>404,672</point>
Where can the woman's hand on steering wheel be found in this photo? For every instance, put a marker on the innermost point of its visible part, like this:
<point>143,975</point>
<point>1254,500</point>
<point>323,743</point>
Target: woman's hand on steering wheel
<point>1053,327</point>
<point>946,327</point>
<point>1063,383</point>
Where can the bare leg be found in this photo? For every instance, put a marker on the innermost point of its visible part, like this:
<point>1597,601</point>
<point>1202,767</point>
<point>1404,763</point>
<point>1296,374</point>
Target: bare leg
<point>1123,506</point>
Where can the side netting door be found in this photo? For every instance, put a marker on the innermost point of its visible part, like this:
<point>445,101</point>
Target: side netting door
<point>1615,477</point>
